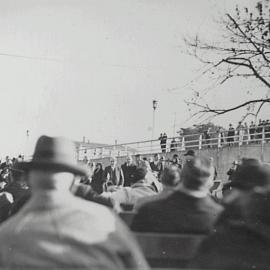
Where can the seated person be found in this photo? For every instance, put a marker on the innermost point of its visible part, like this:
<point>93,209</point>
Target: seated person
<point>170,178</point>
<point>189,209</point>
<point>130,195</point>
<point>241,240</point>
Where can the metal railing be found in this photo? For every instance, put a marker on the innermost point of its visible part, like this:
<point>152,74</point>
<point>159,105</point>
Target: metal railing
<point>180,143</point>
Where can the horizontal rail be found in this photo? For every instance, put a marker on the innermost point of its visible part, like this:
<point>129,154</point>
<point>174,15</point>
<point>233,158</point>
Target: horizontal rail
<point>181,143</point>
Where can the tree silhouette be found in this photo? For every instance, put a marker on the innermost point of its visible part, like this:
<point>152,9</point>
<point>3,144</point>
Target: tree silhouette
<point>243,51</point>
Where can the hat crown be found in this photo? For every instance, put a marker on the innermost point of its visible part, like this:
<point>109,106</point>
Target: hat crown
<point>54,148</point>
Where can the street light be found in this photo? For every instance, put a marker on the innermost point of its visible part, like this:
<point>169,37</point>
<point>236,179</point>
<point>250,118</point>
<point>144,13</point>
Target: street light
<point>154,103</point>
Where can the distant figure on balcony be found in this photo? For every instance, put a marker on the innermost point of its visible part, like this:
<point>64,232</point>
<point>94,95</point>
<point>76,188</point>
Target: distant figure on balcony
<point>259,130</point>
<point>252,131</point>
<point>267,130</point>
<point>207,138</point>
<point>113,175</point>
<point>173,146</point>
<point>163,142</point>
<point>231,134</point>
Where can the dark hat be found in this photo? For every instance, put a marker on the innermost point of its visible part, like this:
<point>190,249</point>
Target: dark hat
<point>190,153</point>
<point>251,173</point>
<point>54,153</point>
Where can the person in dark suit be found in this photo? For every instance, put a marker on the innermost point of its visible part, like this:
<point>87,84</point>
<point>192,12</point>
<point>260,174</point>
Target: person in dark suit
<point>155,164</point>
<point>97,182</point>
<point>113,175</point>
<point>128,169</point>
<point>189,209</point>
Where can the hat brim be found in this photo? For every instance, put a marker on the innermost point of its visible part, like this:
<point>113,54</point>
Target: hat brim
<point>46,165</point>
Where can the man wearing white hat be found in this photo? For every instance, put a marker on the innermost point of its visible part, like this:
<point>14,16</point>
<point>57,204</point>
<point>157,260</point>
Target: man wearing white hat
<point>58,230</point>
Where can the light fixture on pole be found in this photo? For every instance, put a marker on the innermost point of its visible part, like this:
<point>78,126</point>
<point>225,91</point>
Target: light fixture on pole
<point>154,103</point>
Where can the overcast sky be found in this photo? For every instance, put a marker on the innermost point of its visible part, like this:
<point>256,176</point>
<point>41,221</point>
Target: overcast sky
<point>92,68</point>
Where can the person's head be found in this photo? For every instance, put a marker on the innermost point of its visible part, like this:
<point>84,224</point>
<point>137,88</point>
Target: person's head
<point>252,122</point>
<point>17,175</point>
<point>146,165</point>
<point>162,159</point>
<point>175,158</point>
<point>139,175</point>
<point>129,159</point>
<point>250,174</point>
<point>99,166</point>
<point>53,166</point>
<point>196,173</point>
<point>190,154</point>
<point>170,177</point>
<point>156,157</point>
<point>113,161</point>
<point>230,125</point>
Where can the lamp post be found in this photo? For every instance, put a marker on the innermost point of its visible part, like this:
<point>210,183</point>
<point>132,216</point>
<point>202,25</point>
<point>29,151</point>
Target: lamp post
<point>154,103</point>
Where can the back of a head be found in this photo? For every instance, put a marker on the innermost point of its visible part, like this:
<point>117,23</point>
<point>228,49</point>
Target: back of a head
<point>251,174</point>
<point>196,172</point>
<point>139,174</point>
<point>170,177</point>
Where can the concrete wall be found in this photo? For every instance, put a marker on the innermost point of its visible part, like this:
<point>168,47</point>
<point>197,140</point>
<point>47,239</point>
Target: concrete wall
<point>223,157</point>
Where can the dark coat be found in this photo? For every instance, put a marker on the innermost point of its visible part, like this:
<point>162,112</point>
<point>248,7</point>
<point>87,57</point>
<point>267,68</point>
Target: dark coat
<point>242,237</point>
<point>97,181</point>
<point>177,213</point>
<point>128,172</point>
<point>116,176</point>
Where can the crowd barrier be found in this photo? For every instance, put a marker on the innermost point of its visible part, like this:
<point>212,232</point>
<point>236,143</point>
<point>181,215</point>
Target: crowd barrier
<point>175,144</point>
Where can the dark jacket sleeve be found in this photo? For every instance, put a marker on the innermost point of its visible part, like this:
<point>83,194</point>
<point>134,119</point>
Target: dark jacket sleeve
<point>140,222</point>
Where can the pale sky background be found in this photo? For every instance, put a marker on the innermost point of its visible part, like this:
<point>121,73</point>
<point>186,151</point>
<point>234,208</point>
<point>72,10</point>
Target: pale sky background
<point>92,68</point>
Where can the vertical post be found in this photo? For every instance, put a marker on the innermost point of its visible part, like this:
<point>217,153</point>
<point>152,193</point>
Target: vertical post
<point>154,103</point>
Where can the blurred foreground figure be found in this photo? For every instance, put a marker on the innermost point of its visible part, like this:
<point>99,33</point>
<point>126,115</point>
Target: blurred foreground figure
<point>242,237</point>
<point>55,229</point>
<point>189,209</point>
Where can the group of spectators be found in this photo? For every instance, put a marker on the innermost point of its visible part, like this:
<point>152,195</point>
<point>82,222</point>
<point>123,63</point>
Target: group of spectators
<point>242,133</point>
<point>250,133</point>
<point>67,217</point>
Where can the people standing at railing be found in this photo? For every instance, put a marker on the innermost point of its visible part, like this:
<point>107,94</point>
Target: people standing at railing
<point>259,130</point>
<point>128,169</point>
<point>231,135</point>
<point>252,131</point>
<point>173,146</point>
<point>207,138</point>
<point>267,131</point>
<point>163,142</point>
<point>113,175</point>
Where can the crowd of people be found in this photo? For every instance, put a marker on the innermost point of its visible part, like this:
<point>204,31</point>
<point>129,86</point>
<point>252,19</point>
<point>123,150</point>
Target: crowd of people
<point>58,214</point>
<point>242,133</point>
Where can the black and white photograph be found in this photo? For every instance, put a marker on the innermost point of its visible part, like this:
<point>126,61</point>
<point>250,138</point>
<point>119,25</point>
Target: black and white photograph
<point>135,134</point>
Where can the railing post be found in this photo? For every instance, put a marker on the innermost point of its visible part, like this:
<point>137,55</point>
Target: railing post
<point>219,140</point>
<point>200,142</point>
<point>183,148</point>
